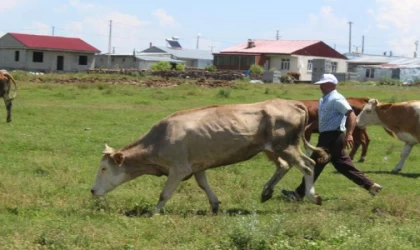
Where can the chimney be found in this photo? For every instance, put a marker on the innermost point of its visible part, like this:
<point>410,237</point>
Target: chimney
<point>390,53</point>
<point>150,45</point>
<point>251,44</point>
<point>385,53</point>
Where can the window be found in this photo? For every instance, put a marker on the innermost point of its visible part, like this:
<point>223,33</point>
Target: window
<point>17,54</point>
<point>285,64</point>
<point>38,57</point>
<point>83,60</point>
<point>309,65</point>
<point>334,67</point>
<point>370,73</point>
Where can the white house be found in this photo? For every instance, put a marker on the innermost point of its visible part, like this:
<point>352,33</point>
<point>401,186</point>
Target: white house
<point>45,53</point>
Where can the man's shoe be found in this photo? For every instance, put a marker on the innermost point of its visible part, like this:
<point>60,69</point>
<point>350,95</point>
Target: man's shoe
<point>291,195</point>
<point>374,189</point>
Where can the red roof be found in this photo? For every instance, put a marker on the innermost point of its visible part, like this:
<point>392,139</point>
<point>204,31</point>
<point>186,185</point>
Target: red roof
<point>298,47</point>
<point>54,42</point>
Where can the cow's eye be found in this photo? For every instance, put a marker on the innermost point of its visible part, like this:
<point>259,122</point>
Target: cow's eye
<point>103,169</point>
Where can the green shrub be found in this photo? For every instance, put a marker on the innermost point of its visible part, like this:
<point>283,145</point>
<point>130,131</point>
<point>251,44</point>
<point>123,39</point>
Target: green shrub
<point>180,67</point>
<point>389,81</point>
<point>211,68</point>
<point>225,93</point>
<point>256,69</point>
<point>161,66</point>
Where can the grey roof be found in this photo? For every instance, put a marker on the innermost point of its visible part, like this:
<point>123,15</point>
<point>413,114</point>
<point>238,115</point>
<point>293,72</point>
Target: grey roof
<point>158,59</point>
<point>188,53</point>
<point>374,59</point>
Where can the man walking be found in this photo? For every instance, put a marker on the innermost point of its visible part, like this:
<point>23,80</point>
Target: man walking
<point>336,124</point>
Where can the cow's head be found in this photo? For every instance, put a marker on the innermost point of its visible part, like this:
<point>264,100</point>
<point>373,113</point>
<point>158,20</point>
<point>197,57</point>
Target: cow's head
<point>110,173</point>
<point>368,115</point>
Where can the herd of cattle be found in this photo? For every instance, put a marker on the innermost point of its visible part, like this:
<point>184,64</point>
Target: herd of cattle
<point>189,142</point>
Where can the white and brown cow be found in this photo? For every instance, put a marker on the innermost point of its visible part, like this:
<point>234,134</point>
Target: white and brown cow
<point>189,142</point>
<point>401,120</point>
<point>5,87</point>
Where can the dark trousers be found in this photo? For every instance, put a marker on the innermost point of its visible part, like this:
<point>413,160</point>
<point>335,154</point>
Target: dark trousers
<point>334,143</point>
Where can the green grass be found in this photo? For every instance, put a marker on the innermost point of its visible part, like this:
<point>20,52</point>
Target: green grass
<point>50,152</point>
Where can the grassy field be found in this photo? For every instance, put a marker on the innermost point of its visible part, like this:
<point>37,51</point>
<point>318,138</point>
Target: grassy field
<point>49,156</point>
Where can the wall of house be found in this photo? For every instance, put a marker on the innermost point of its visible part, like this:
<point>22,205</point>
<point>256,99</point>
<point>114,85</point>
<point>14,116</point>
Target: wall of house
<point>201,64</point>
<point>275,63</point>
<point>377,75</point>
<point>306,74</point>
<point>300,64</point>
<point>121,62</point>
<point>49,64</point>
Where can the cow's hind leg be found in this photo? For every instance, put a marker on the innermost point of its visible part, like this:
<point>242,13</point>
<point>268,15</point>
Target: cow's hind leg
<point>282,167</point>
<point>175,176</point>
<point>404,154</point>
<point>8,104</point>
<point>201,179</point>
<point>295,156</point>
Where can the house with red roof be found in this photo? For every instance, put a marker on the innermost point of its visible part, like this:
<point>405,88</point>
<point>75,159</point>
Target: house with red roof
<point>45,53</point>
<point>280,55</point>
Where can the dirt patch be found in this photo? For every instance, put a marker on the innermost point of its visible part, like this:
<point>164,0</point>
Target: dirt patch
<point>150,83</point>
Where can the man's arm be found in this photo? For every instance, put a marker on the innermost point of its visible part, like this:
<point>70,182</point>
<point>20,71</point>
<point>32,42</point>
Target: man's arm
<point>350,122</point>
<point>350,125</point>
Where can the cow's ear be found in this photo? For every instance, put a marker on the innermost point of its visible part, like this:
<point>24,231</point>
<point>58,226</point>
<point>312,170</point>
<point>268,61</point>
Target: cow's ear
<point>118,158</point>
<point>108,150</point>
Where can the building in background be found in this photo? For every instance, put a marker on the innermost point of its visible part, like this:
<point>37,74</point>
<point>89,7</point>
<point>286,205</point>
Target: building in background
<point>45,53</point>
<point>193,58</point>
<point>280,55</point>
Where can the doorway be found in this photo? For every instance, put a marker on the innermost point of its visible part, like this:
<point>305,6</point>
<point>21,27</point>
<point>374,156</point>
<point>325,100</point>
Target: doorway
<point>60,62</point>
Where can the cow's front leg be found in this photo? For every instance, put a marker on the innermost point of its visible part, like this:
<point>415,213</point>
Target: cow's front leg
<point>404,154</point>
<point>201,179</point>
<point>175,176</point>
<point>8,104</point>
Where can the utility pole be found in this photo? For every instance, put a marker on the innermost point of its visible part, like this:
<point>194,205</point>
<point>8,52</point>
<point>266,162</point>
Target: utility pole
<point>417,45</point>
<point>363,44</point>
<point>52,30</point>
<point>198,40</point>
<point>350,23</point>
<point>277,35</point>
<point>109,44</point>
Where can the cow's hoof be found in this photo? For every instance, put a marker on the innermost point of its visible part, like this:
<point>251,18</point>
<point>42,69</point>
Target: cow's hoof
<point>215,208</point>
<point>266,195</point>
<point>396,171</point>
<point>148,214</point>
<point>318,200</point>
<point>9,120</point>
<point>361,160</point>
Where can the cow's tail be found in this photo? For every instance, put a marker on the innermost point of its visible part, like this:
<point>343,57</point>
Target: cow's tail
<point>10,77</point>
<point>323,156</point>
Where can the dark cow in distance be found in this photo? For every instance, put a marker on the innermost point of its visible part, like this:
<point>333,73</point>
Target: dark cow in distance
<point>5,86</point>
<point>360,136</point>
<point>189,142</point>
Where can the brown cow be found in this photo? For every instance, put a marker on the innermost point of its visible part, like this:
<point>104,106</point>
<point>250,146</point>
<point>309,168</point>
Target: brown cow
<point>5,86</point>
<point>189,142</point>
<point>360,136</point>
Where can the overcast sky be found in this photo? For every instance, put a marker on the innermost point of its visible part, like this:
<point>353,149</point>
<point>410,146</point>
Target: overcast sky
<point>386,24</point>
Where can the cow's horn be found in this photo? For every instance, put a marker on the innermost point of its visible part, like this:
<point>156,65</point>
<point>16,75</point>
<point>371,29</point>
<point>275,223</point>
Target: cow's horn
<point>108,149</point>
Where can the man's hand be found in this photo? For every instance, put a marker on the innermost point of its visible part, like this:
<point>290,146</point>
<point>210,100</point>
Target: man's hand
<point>349,141</point>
